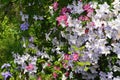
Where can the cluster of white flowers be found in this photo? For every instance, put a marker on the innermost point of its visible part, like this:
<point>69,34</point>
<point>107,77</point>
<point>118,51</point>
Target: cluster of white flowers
<point>100,35</point>
<point>26,62</point>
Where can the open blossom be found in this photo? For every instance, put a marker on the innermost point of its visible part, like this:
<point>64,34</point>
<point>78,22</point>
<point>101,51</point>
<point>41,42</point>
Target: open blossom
<point>80,0</point>
<point>75,56</point>
<point>84,18</point>
<point>90,10</point>
<point>56,67</point>
<point>87,8</point>
<point>62,19</point>
<point>5,66</point>
<point>55,6</point>
<point>31,39</point>
<point>67,57</point>
<point>66,74</point>
<point>55,74</point>
<point>6,75</point>
<point>64,65</point>
<point>48,64</point>
<point>39,78</point>
<point>65,10</point>
<point>24,26</point>
<point>30,67</point>
<point>92,24</point>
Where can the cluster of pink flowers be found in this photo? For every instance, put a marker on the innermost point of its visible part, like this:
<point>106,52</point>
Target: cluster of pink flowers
<point>62,19</point>
<point>73,57</point>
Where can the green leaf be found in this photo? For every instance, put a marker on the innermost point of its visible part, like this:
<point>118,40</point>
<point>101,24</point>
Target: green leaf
<point>83,63</point>
<point>5,21</point>
<point>81,48</point>
<point>78,48</point>
<point>41,61</point>
<point>12,78</point>
<point>57,63</point>
<point>86,69</point>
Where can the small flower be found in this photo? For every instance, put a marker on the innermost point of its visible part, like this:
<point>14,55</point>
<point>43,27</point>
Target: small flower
<point>6,75</point>
<point>64,65</point>
<point>66,74</point>
<point>39,78</point>
<point>35,17</point>
<point>80,0</point>
<point>55,6</point>
<point>55,74</point>
<point>67,57</point>
<point>65,10</point>
<point>48,64</point>
<point>90,10</point>
<point>75,56</point>
<point>5,66</point>
<point>86,7</point>
<point>92,24</point>
<point>110,75</point>
<point>30,67</point>
<point>56,68</point>
<point>84,18</point>
<point>62,19</point>
<point>24,26</point>
<point>31,39</point>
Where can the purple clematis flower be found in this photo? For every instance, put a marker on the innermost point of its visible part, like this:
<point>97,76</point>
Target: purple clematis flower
<point>24,26</point>
<point>6,75</point>
<point>5,66</point>
<point>31,39</point>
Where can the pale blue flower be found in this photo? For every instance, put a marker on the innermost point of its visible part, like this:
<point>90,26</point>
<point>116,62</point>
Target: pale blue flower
<point>24,26</point>
<point>31,39</point>
<point>5,66</point>
<point>6,75</point>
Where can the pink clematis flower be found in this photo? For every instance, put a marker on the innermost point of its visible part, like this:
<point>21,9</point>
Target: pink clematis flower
<point>30,67</point>
<point>55,6</point>
<point>67,57</point>
<point>55,74</point>
<point>62,18</point>
<point>87,8</point>
<point>90,10</point>
<point>75,56</point>
<point>80,0</point>
<point>56,68</point>
<point>48,64</point>
<point>66,74</point>
<point>64,65</point>
<point>65,10</point>
<point>84,18</point>
<point>92,24</point>
<point>39,78</point>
